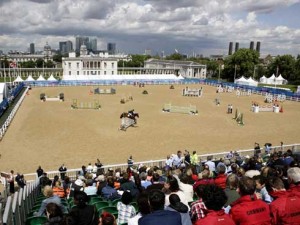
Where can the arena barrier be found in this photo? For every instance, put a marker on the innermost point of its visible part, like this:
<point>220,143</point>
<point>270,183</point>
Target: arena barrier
<point>227,89</point>
<point>85,105</point>
<point>12,114</point>
<point>243,92</point>
<point>105,91</point>
<point>239,118</point>
<point>44,97</point>
<point>192,92</point>
<point>125,123</point>
<point>192,109</point>
<point>269,98</point>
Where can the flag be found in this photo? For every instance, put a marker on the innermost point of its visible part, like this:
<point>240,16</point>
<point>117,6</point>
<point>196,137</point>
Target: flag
<point>13,64</point>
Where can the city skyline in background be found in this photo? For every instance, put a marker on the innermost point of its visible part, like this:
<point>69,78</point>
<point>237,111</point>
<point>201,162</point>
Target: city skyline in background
<point>139,26</point>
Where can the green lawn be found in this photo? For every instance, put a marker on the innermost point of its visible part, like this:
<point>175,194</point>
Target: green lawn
<point>290,86</point>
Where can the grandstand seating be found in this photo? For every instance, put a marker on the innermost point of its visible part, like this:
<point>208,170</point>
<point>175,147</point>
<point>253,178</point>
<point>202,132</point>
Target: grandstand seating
<point>19,208</point>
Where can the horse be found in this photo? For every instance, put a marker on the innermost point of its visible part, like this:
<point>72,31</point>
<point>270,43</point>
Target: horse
<point>131,115</point>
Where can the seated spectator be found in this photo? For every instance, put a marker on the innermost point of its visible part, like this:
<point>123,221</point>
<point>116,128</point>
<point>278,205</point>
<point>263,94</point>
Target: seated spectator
<point>82,213</point>
<point>198,207</point>
<point>248,209</point>
<point>177,206</point>
<point>109,192</point>
<point>159,215</point>
<point>59,190</point>
<point>101,183</point>
<point>285,209</point>
<point>204,179</point>
<point>77,185</point>
<point>44,180</point>
<point>144,182</point>
<point>143,206</point>
<point>172,187</point>
<point>20,180</point>
<point>294,178</point>
<point>186,188</point>
<point>90,188</point>
<point>288,157</point>
<point>66,185</point>
<point>220,179</point>
<point>50,198</point>
<point>214,198</point>
<point>54,214</point>
<point>232,182</point>
<point>129,185</point>
<point>155,183</point>
<point>261,189</point>
<point>211,164</point>
<point>107,219</point>
<point>125,210</point>
<point>56,178</point>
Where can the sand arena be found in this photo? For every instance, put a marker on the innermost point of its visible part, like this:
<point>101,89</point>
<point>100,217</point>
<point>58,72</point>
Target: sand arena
<point>51,133</point>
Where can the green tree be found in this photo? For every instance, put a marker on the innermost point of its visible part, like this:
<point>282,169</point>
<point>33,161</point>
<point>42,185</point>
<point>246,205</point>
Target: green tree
<point>28,64</point>
<point>40,63</point>
<point>212,68</point>
<point>241,63</point>
<point>284,65</point>
<point>58,57</point>
<point>175,56</point>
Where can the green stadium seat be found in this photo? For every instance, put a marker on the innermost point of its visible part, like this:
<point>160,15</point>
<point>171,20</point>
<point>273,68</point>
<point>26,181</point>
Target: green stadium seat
<point>115,202</point>
<point>39,220</point>
<point>135,205</point>
<point>95,199</point>
<point>110,209</point>
<point>100,204</point>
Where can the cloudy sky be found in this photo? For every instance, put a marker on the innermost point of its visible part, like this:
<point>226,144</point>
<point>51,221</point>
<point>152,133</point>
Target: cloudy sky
<point>189,26</point>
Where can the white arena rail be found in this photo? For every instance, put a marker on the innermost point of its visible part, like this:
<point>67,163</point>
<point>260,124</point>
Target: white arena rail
<point>72,173</point>
<point>12,115</point>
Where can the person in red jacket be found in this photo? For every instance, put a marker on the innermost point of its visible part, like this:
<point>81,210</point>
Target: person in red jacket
<point>215,198</point>
<point>220,180</point>
<point>285,209</point>
<point>248,210</point>
<point>294,178</point>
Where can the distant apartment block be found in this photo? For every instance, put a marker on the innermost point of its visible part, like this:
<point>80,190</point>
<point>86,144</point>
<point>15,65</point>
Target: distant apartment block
<point>65,47</point>
<point>31,48</point>
<point>111,48</point>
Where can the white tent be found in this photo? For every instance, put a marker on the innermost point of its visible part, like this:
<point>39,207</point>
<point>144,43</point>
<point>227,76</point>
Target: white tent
<point>18,79</point>
<point>41,78</point>
<point>30,78</point>
<point>280,80</point>
<point>271,79</point>
<point>51,78</point>
<point>263,80</point>
<point>252,82</point>
<point>242,81</point>
<point>3,91</point>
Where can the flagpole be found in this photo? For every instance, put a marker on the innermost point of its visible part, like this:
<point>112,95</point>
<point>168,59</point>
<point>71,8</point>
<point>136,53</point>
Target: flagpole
<point>4,73</point>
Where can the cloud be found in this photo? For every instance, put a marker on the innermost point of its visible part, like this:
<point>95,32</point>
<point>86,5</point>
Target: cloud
<point>189,25</point>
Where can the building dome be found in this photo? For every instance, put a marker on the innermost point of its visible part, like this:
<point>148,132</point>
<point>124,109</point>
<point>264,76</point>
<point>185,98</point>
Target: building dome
<point>83,50</point>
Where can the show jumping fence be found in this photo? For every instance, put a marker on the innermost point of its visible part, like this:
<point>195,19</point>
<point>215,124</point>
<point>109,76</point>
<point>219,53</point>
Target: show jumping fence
<point>192,92</point>
<point>105,91</point>
<point>85,105</point>
<point>192,109</point>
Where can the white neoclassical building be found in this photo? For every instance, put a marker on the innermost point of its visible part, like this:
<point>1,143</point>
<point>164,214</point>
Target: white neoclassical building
<point>187,69</point>
<point>88,66</point>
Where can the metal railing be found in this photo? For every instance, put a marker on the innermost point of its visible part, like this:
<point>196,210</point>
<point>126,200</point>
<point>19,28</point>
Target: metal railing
<point>12,115</point>
<point>73,173</point>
